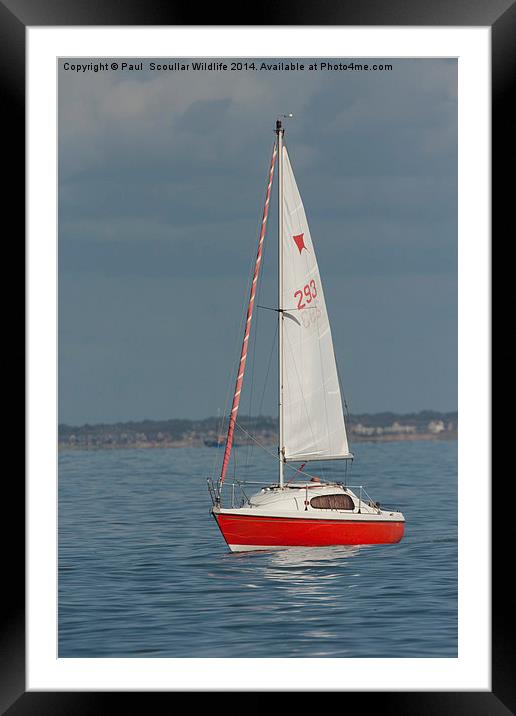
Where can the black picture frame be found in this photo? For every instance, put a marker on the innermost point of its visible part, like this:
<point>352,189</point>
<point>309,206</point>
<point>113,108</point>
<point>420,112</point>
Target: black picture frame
<point>15,17</point>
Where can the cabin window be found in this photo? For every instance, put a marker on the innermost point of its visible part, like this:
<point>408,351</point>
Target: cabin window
<point>332,502</point>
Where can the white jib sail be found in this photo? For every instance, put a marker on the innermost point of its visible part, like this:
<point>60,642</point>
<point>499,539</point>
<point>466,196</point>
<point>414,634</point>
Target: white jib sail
<point>313,421</point>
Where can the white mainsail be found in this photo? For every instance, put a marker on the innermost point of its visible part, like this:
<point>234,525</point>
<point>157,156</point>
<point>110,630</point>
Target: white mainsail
<point>313,421</point>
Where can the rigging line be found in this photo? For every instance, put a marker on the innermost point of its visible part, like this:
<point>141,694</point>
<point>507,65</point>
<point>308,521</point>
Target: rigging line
<point>225,415</point>
<point>273,455</point>
<point>215,456</point>
<point>268,369</point>
<point>346,413</point>
<point>253,357</point>
<point>240,427</point>
<point>249,452</point>
<point>243,491</point>
<point>294,475</point>
<point>267,373</point>
<point>224,411</point>
<point>346,410</point>
<point>251,386</point>
<point>245,347</point>
<point>318,326</point>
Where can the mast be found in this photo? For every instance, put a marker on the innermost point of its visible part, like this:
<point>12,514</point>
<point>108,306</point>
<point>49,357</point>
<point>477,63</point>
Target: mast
<point>281,450</point>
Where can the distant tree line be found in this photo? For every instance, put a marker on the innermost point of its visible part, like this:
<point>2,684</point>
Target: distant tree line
<point>192,432</point>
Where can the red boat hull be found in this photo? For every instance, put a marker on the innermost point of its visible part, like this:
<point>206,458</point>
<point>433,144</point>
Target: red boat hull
<point>247,530</point>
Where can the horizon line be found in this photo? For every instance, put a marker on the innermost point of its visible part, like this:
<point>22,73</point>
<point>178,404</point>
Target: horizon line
<point>252,417</point>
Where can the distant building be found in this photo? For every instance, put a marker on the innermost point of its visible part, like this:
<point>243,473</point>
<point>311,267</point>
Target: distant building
<point>397,428</point>
<point>394,429</point>
<point>363,430</point>
<point>436,426</point>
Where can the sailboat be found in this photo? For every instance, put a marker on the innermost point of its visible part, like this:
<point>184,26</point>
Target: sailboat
<point>299,508</point>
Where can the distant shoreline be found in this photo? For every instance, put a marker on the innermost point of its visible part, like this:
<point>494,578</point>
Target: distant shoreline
<point>263,430</point>
<point>148,445</point>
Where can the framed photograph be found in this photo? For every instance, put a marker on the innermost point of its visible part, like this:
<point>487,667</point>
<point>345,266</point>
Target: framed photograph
<point>154,151</point>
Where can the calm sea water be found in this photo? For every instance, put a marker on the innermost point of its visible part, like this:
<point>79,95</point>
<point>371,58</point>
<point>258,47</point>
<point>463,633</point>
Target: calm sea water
<point>145,572</point>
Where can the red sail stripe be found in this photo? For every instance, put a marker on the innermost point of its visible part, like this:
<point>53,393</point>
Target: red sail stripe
<point>243,354</point>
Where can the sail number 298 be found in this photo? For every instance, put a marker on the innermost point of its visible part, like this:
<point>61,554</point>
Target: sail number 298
<point>306,295</point>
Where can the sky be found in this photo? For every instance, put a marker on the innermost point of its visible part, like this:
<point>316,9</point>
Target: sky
<point>162,178</point>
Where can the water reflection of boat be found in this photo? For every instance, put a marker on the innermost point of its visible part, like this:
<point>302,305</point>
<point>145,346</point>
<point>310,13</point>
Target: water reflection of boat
<point>307,557</point>
<point>317,574</point>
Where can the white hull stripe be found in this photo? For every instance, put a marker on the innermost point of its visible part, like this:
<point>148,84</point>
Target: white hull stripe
<point>254,547</point>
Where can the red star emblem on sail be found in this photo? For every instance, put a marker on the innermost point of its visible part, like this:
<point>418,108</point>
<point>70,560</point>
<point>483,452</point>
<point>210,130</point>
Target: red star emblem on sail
<point>300,242</point>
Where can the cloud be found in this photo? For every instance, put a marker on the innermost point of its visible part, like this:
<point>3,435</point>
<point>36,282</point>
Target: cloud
<point>161,184</point>
<point>186,117</point>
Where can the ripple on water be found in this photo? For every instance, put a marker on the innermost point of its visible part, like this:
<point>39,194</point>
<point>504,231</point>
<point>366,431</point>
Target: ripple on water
<point>143,570</point>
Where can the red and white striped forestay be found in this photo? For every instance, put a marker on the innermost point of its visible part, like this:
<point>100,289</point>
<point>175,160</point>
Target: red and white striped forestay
<point>245,343</point>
